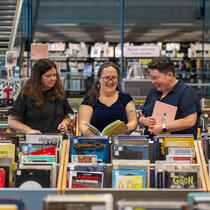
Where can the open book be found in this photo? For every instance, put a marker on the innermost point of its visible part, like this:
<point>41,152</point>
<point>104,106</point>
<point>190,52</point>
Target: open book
<point>163,111</point>
<point>115,128</point>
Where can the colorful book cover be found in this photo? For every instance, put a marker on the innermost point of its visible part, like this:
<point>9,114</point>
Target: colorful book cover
<point>38,158</point>
<point>171,140</point>
<point>98,146</point>
<point>2,178</point>
<point>47,138</point>
<point>180,151</point>
<point>127,179</point>
<point>100,167</point>
<point>183,158</point>
<point>38,149</point>
<point>181,180</point>
<point>82,179</point>
<point>84,159</point>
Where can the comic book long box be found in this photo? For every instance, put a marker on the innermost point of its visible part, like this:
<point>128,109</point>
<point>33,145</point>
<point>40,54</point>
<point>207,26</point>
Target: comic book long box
<point>91,146</point>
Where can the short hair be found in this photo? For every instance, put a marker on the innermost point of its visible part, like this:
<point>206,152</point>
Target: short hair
<point>163,64</point>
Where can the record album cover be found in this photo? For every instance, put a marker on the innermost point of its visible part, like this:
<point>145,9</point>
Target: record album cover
<point>32,178</point>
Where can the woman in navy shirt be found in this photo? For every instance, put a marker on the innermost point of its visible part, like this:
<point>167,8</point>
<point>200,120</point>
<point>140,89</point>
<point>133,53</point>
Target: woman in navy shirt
<point>174,92</point>
<point>105,103</point>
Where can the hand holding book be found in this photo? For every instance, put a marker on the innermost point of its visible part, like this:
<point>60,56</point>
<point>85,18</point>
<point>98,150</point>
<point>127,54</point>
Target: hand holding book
<point>115,128</point>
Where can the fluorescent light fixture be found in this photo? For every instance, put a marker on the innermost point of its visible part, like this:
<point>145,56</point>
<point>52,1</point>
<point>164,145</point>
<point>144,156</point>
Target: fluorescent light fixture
<point>176,24</point>
<point>61,24</point>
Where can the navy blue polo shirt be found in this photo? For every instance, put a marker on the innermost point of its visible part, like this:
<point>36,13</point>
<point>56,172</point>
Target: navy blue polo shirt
<point>104,115</point>
<point>182,96</point>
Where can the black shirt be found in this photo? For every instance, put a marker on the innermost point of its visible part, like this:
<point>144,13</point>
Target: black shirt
<point>45,118</point>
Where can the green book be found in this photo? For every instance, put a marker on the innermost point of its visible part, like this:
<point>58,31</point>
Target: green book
<point>115,128</point>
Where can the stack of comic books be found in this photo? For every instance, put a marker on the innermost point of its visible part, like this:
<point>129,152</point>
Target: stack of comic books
<point>55,139</point>
<point>79,201</point>
<point>90,149</point>
<point>174,145</point>
<point>130,148</point>
<point>130,174</point>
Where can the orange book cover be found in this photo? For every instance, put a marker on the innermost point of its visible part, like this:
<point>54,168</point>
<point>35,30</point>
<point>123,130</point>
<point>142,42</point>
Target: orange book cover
<point>162,110</point>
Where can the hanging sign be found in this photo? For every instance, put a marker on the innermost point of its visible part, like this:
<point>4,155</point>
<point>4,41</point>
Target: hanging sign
<point>141,51</point>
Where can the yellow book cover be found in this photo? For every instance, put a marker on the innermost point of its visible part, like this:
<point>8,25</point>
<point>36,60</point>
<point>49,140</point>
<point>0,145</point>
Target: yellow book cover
<point>8,151</point>
<point>130,182</point>
<point>176,142</point>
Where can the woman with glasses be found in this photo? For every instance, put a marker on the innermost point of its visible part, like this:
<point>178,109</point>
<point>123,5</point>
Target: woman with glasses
<point>105,103</point>
<point>41,105</point>
<point>171,91</point>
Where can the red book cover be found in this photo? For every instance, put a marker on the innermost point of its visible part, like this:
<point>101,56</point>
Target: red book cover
<point>2,178</point>
<point>38,150</point>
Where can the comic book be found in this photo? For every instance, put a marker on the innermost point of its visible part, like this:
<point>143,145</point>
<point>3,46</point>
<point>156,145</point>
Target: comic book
<point>95,145</point>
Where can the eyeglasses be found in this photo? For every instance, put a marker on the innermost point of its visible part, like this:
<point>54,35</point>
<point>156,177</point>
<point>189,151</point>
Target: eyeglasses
<point>155,78</point>
<point>108,78</point>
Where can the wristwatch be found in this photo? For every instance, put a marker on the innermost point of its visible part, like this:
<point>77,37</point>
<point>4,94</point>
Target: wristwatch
<point>164,129</point>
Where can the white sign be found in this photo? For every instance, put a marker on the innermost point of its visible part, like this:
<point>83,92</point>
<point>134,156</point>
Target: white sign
<point>9,89</point>
<point>141,51</point>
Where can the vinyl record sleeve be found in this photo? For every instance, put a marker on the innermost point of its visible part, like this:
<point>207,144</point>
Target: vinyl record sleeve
<point>48,166</point>
<point>32,178</point>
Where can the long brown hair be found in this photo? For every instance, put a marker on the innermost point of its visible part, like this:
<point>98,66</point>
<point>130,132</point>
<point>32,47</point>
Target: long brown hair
<point>32,87</point>
<point>93,94</point>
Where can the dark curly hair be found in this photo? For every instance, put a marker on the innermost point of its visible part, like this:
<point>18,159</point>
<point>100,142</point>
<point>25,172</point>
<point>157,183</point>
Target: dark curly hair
<point>163,64</point>
<point>93,94</point>
<point>32,87</point>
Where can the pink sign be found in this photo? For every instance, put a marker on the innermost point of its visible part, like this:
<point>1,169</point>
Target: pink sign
<point>141,51</point>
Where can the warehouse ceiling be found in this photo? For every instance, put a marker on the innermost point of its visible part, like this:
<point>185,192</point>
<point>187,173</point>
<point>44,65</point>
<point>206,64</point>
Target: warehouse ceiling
<point>144,21</point>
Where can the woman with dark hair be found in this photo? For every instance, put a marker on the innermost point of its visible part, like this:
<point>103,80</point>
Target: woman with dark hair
<point>105,103</point>
<point>41,105</point>
<point>168,89</point>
